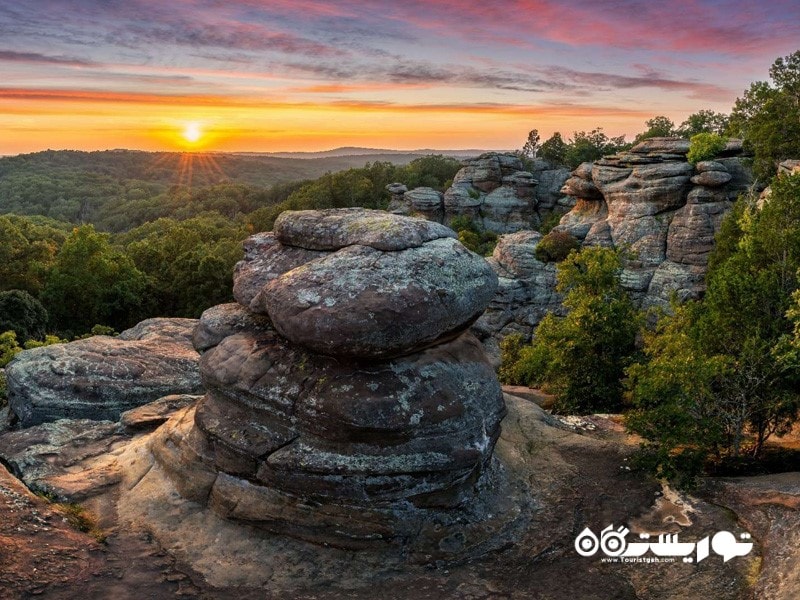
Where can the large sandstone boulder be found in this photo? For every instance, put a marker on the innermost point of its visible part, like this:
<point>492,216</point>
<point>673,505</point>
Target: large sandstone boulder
<point>100,377</point>
<point>408,428</point>
<point>375,271</point>
<point>223,320</point>
<point>364,302</point>
<point>331,230</point>
<point>265,258</point>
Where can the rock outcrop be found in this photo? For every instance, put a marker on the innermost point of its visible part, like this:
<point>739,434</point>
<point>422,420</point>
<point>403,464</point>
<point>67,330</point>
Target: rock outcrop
<point>525,294</point>
<point>493,191</point>
<point>367,412</point>
<point>566,475</point>
<point>100,377</point>
<point>648,200</point>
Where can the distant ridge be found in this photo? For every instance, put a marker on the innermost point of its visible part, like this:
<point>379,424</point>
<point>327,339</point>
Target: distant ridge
<point>358,151</point>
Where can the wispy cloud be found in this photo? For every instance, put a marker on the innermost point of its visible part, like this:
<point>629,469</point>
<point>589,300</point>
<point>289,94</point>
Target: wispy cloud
<point>43,59</point>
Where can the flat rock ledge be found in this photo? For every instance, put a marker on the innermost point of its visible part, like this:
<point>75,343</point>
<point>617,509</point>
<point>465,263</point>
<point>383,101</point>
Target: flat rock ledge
<point>101,377</point>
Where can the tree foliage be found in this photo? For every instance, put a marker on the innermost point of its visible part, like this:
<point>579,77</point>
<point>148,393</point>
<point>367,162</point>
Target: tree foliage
<point>23,314</point>
<point>767,116</point>
<point>583,146</point>
<point>705,146</point>
<point>722,376</point>
<point>660,126</point>
<point>554,149</point>
<point>91,282</point>
<point>479,241</point>
<point>581,357</point>
<point>532,144</point>
<point>188,265</point>
<point>703,121</point>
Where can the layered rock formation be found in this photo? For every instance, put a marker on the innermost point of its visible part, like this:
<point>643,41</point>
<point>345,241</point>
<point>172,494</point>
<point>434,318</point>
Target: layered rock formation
<point>100,377</point>
<point>661,208</point>
<point>369,412</point>
<point>649,201</point>
<point>493,190</point>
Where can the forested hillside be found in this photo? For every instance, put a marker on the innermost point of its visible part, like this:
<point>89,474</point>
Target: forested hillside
<point>119,189</point>
<point>110,238</point>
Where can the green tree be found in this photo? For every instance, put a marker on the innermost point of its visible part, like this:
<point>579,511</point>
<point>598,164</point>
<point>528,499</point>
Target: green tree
<point>532,144</point>
<point>767,116</point>
<point>9,348</point>
<point>28,246</point>
<point>705,146</point>
<point>90,283</point>
<point>589,146</point>
<point>703,121</point>
<point>581,357</point>
<point>554,149</point>
<point>188,264</point>
<point>660,126</point>
<point>23,314</point>
<point>729,358</point>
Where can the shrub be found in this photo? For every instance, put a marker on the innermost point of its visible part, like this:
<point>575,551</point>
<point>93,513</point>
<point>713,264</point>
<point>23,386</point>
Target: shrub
<point>3,390</point>
<point>705,146</point>
<point>550,221</point>
<point>8,347</point>
<point>556,246</point>
<point>581,358</point>
<point>510,352</point>
<point>23,314</point>
<point>480,242</point>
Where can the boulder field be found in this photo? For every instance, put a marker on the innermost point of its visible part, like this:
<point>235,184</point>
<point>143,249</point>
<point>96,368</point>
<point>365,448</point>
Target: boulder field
<point>494,191</point>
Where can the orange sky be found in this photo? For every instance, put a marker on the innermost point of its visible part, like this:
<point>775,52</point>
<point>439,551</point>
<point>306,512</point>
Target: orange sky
<point>307,75</point>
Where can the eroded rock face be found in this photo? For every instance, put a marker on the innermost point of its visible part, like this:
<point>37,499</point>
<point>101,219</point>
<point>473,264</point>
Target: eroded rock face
<point>101,377</point>
<point>493,190</point>
<point>649,200</point>
<point>310,425</point>
<point>526,291</point>
<point>366,411</point>
<point>223,320</point>
<point>663,209</point>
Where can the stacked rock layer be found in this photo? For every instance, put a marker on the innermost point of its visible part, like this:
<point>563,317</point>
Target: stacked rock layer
<point>494,191</point>
<point>649,201</point>
<point>346,403</point>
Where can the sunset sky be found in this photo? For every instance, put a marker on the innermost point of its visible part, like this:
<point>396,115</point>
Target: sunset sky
<point>277,75</point>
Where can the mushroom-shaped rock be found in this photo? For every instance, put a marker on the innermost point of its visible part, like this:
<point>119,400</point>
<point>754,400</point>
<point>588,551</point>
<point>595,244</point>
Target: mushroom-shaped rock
<point>365,302</point>
<point>428,419</point>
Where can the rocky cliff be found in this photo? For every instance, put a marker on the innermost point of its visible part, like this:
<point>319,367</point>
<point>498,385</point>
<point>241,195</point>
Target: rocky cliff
<point>493,190</point>
<point>649,201</point>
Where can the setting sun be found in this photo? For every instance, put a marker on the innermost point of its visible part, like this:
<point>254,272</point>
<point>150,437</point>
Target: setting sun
<point>192,132</point>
